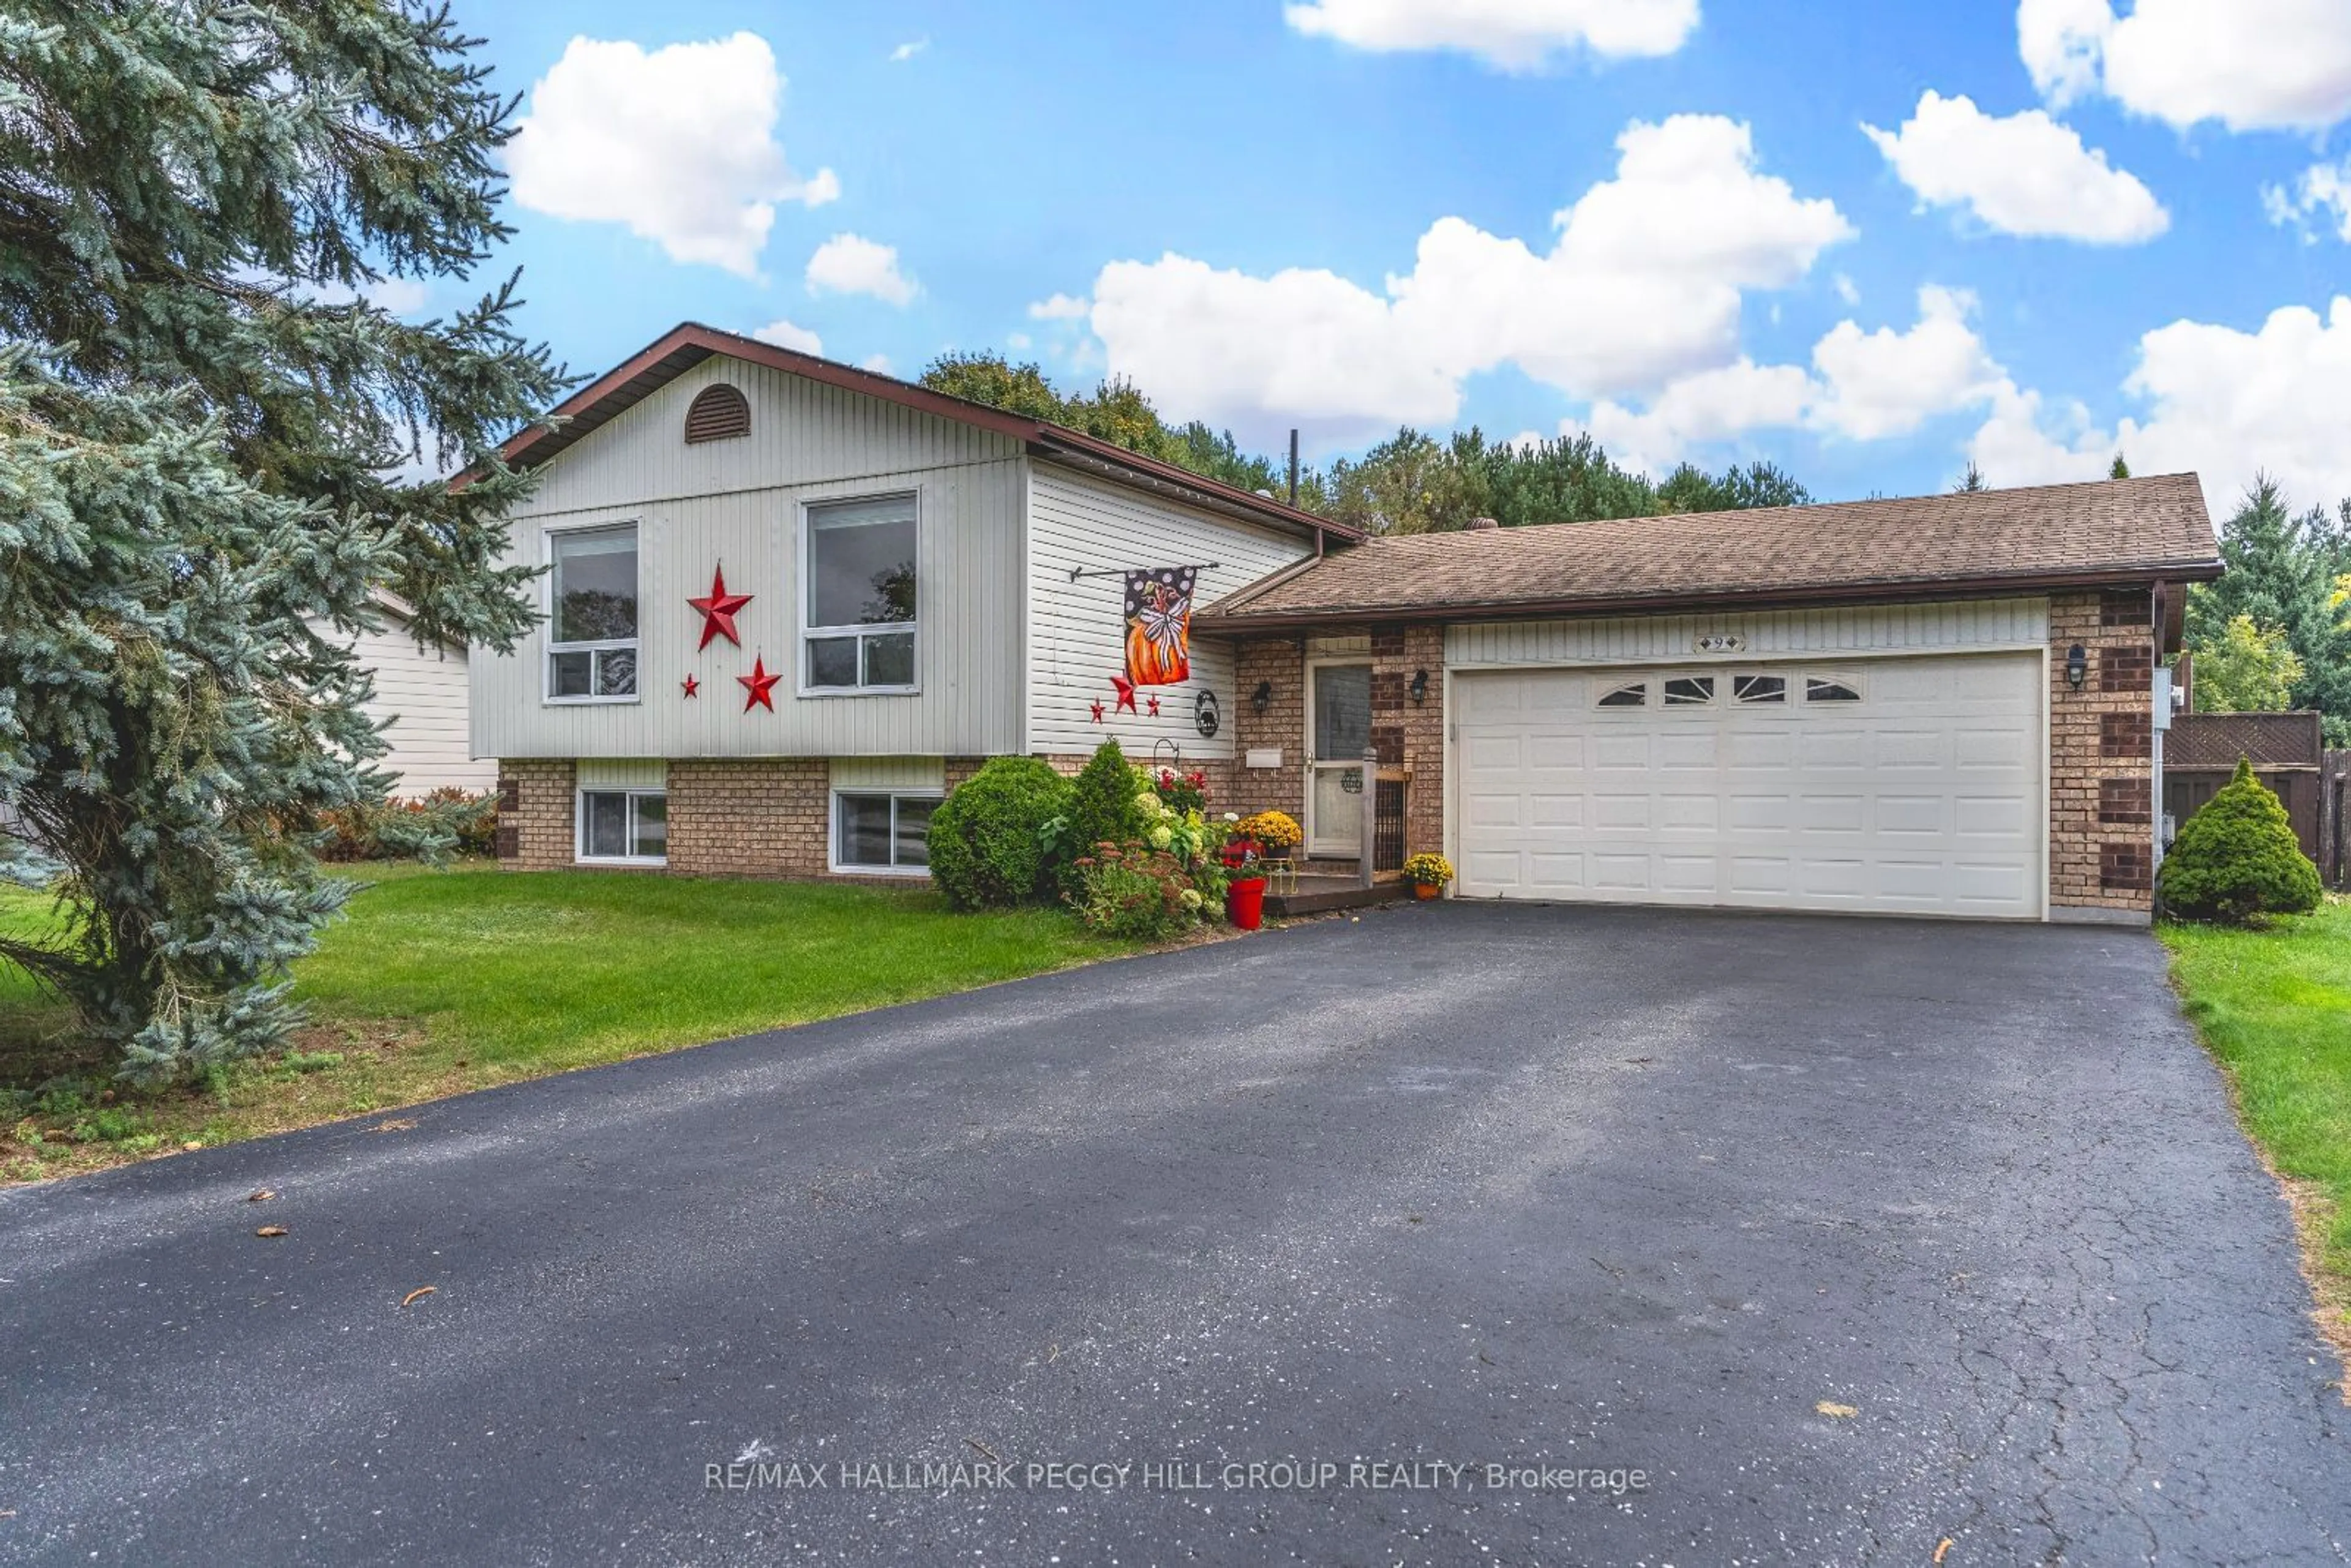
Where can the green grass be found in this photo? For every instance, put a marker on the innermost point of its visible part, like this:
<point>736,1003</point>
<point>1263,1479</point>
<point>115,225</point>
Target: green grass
<point>441,981</point>
<point>2274,1005</point>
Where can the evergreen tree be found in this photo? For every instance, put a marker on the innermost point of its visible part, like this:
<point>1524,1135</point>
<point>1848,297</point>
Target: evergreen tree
<point>2118,468</point>
<point>2282,571</point>
<point>1690,489</point>
<point>203,426</point>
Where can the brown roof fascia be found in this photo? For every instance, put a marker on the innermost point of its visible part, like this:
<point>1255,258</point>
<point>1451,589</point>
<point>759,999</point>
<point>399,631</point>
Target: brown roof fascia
<point>1747,599</point>
<point>694,342</point>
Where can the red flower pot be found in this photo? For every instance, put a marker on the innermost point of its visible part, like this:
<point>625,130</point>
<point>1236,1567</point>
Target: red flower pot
<point>1245,901</point>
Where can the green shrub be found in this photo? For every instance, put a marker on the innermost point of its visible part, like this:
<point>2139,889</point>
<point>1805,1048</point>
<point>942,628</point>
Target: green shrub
<point>448,819</point>
<point>1135,891</point>
<point>1102,807</point>
<point>2237,861</point>
<point>987,849</point>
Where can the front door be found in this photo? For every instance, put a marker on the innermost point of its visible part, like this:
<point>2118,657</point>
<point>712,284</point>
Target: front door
<point>1338,728</point>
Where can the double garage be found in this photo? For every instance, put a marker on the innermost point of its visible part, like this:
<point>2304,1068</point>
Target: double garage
<point>1895,785</point>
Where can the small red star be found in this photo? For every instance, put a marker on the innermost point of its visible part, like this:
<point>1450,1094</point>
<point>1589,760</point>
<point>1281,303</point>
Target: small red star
<point>1125,689</point>
<point>718,610</point>
<point>1098,712</point>
<point>1154,706</point>
<point>760,684</point>
<point>693,684</point>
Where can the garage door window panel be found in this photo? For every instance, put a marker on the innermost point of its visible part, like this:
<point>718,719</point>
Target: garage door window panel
<point>1831,689</point>
<point>1755,691</point>
<point>1689,691</point>
<point>1627,693</point>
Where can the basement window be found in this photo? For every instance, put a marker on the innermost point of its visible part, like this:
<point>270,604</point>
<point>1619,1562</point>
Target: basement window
<point>1632,694</point>
<point>882,834</point>
<point>623,826</point>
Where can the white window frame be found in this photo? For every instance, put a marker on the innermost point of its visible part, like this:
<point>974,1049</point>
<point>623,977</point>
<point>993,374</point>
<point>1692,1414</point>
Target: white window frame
<point>546,693</point>
<point>834,863</point>
<point>1714,689</point>
<point>808,634</point>
<point>580,855</point>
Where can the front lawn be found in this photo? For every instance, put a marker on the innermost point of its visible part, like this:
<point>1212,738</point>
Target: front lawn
<point>442,981</point>
<point>2275,1008</point>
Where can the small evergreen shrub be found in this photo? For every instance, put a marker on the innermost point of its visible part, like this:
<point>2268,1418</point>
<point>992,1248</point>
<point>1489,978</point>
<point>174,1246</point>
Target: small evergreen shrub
<point>986,840</point>
<point>2237,861</point>
<point>448,820</point>
<point>1102,808</point>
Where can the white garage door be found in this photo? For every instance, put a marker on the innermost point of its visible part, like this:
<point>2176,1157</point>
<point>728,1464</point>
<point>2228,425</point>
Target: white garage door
<point>1906,785</point>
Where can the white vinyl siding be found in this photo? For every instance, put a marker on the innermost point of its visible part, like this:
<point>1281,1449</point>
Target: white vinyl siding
<point>425,691</point>
<point>739,503</point>
<point>1077,637</point>
<point>1954,625</point>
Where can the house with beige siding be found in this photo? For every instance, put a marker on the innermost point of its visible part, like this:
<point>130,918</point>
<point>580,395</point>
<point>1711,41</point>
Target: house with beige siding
<point>789,606</point>
<point>423,702</point>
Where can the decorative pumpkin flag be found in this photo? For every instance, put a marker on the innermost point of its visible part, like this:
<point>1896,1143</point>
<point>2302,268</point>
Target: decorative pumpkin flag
<point>1159,625</point>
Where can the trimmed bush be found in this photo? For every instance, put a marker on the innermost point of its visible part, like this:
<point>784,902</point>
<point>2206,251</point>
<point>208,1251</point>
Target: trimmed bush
<point>987,849</point>
<point>1102,807</point>
<point>2237,860</point>
<point>448,820</point>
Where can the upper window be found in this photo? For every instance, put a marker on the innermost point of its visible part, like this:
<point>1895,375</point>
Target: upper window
<point>860,604</point>
<point>1830,689</point>
<point>881,832</point>
<point>716,413</point>
<point>1759,688</point>
<point>591,653</point>
<point>1689,691</point>
<point>1632,694</point>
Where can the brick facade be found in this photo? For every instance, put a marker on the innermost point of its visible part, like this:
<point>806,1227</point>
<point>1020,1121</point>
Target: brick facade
<point>1412,733</point>
<point>752,817</point>
<point>1279,663</point>
<point>534,813</point>
<point>2101,740</point>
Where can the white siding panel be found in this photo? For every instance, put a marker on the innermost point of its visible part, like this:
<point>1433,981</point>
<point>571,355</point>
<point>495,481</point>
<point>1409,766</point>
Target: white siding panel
<point>1077,637</point>
<point>739,503</point>
<point>1952,625</point>
<point>424,694</point>
<point>889,773</point>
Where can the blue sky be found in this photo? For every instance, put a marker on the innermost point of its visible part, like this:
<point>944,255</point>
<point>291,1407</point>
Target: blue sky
<point>1229,199</point>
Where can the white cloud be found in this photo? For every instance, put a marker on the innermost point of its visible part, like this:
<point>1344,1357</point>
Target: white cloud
<point>2249,63</point>
<point>1642,285</point>
<point>2320,199</point>
<point>785,335</point>
<point>1847,290</point>
<point>2021,174</point>
<point>679,144</point>
<point>1711,405</point>
<point>1018,342</point>
<point>1864,386</point>
<point>909,49</point>
<point>878,363</point>
<point>2225,403</point>
<point>1514,35</point>
<point>1060,307</point>
<point>1886,382</point>
<point>852,264</point>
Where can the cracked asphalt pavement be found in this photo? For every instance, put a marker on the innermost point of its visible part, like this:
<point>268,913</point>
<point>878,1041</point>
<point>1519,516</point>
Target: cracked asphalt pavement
<point>1590,1191</point>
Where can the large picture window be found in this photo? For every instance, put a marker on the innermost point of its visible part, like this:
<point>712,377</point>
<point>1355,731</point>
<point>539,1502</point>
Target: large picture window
<point>860,612</point>
<point>882,832</point>
<point>591,645</point>
<point>623,825</point>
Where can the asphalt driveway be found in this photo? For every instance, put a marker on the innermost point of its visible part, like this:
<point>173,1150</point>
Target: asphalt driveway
<point>1619,1201</point>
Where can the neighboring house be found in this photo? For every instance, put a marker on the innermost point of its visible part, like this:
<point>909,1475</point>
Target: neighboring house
<point>423,693</point>
<point>1940,705</point>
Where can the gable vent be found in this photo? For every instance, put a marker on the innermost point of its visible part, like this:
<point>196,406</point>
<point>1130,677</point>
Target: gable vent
<point>717,414</point>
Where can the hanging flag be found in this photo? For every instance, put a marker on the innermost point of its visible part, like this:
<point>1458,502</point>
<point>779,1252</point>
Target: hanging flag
<point>1159,625</point>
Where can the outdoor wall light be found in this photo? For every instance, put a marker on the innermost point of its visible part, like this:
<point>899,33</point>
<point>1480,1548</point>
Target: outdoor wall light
<point>1419,687</point>
<point>2077,666</point>
<point>1261,697</point>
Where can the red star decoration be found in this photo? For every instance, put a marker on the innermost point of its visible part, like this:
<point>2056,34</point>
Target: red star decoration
<point>1098,712</point>
<point>1125,689</point>
<point>1154,706</point>
<point>693,684</point>
<point>718,610</point>
<point>760,684</point>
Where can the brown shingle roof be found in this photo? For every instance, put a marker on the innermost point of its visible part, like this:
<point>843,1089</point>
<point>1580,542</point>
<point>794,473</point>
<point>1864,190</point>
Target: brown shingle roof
<point>2114,532</point>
